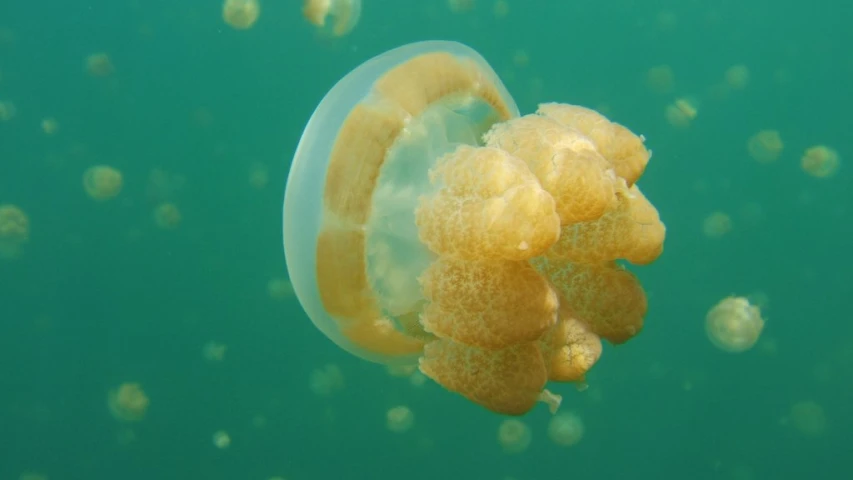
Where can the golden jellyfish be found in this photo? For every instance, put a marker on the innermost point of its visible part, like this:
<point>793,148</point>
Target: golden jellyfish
<point>399,419</point>
<point>221,439</point>
<point>565,429</point>
<point>167,216</point>
<point>737,77</point>
<point>716,225</point>
<point>681,113</point>
<point>765,146</point>
<point>214,352</point>
<point>102,182</point>
<point>327,380</point>
<point>808,418</point>
<point>50,126</point>
<point>241,14</point>
<point>426,222</point>
<point>99,65</point>
<point>333,17</point>
<point>258,176</point>
<point>734,324</point>
<point>461,6</point>
<point>820,161</point>
<point>660,79</point>
<point>7,110</point>
<point>128,402</point>
<point>14,231</point>
<point>514,436</point>
<point>501,8</point>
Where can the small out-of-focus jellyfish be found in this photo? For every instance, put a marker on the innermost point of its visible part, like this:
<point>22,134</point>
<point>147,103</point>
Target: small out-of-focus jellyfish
<point>666,20</point>
<point>221,439</point>
<point>514,435</point>
<point>99,65</point>
<point>765,146</point>
<point>501,8</point>
<point>102,182</point>
<point>820,161</point>
<point>734,325</point>
<point>737,77</point>
<point>14,231</point>
<point>258,176</point>
<point>214,352</point>
<point>167,216</point>
<point>426,222</point>
<point>334,17</point>
<point>461,6</point>
<point>241,14</point>
<point>681,113</point>
<point>399,419</point>
<point>163,185</point>
<point>565,429</point>
<point>128,402</point>
<point>32,476</point>
<point>50,126</point>
<point>7,110</point>
<point>327,381</point>
<point>808,418</point>
<point>521,58</point>
<point>280,288</point>
<point>660,79</point>
<point>716,225</point>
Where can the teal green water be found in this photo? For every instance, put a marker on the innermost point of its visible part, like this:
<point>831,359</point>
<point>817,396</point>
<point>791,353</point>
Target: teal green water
<point>100,295</point>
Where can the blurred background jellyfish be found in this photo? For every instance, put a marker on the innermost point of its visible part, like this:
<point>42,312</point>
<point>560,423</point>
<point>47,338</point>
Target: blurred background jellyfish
<point>128,402</point>
<point>102,182</point>
<point>241,14</point>
<point>514,436</point>
<point>333,17</point>
<point>327,381</point>
<point>99,65</point>
<point>808,418</point>
<point>734,325</point>
<point>467,238</point>
<point>565,429</point>
<point>820,161</point>
<point>14,231</point>
<point>716,225</point>
<point>399,419</point>
<point>765,146</point>
<point>167,216</point>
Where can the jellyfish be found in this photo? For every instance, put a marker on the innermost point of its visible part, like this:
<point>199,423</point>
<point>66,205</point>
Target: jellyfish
<point>14,231</point>
<point>820,161</point>
<point>734,325</point>
<point>765,146</point>
<point>128,402</point>
<point>99,65</point>
<point>716,225</point>
<point>565,429</point>
<point>399,419</point>
<point>427,222</point>
<point>241,14</point>
<point>514,436</point>
<point>334,17</point>
<point>102,182</point>
<point>737,77</point>
<point>167,216</point>
<point>681,113</point>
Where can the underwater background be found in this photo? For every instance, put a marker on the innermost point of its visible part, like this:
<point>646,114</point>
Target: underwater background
<point>172,277</point>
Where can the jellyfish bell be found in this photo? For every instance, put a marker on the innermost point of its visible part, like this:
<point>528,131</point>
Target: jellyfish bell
<point>426,222</point>
<point>333,199</point>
